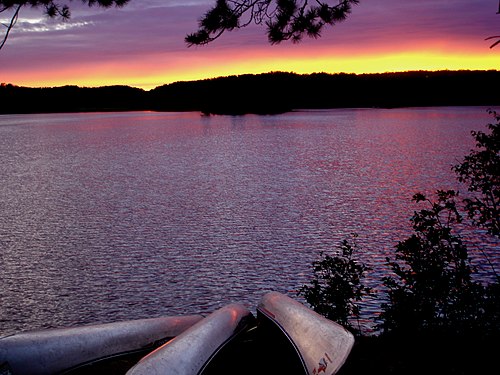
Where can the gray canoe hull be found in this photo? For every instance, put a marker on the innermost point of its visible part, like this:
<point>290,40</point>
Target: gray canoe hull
<point>190,352</point>
<point>58,350</point>
<point>322,345</point>
<point>287,337</point>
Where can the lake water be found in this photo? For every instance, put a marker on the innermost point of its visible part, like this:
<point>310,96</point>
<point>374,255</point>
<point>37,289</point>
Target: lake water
<point>114,216</point>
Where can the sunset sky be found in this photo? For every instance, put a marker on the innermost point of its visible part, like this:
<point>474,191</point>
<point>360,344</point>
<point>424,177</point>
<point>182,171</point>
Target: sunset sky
<point>142,44</point>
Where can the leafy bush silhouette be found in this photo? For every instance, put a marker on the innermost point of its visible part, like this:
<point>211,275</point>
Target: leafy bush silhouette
<point>480,171</point>
<point>433,291</point>
<point>337,285</point>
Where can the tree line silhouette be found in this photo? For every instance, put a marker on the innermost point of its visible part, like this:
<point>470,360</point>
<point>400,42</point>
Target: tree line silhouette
<point>268,93</point>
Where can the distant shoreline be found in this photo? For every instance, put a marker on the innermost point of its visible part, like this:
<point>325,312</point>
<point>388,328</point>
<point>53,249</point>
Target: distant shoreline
<point>268,93</point>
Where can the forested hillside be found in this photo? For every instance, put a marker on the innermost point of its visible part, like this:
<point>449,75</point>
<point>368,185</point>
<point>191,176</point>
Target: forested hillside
<point>268,93</point>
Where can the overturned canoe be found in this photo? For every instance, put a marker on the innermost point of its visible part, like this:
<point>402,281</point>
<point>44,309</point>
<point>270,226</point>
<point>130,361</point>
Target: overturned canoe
<point>191,352</point>
<point>286,338</point>
<point>321,345</point>
<point>60,350</point>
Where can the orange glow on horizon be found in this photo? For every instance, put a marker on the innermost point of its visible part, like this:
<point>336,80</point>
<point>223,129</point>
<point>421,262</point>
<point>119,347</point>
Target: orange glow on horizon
<point>104,49</point>
<point>155,70</point>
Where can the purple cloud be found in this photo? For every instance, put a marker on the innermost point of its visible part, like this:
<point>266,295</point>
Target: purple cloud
<point>154,27</point>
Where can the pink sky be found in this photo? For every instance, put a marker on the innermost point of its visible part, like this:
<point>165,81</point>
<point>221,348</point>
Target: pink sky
<point>142,44</point>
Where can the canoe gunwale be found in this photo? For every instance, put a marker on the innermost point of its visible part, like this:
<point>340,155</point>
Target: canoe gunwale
<point>62,350</point>
<point>261,311</point>
<point>144,350</point>
<point>245,324</point>
<point>322,344</point>
<point>194,350</point>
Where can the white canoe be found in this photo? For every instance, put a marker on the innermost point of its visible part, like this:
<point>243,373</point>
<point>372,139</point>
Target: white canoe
<point>58,350</point>
<point>322,345</point>
<point>191,352</point>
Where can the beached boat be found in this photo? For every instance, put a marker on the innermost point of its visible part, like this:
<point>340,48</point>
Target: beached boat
<point>192,351</point>
<point>79,349</point>
<point>286,337</point>
<point>322,346</point>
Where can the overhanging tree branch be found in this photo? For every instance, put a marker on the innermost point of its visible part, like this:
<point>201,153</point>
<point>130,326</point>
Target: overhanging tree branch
<point>52,8</point>
<point>284,19</point>
<point>10,25</point>
<point>495,36</point>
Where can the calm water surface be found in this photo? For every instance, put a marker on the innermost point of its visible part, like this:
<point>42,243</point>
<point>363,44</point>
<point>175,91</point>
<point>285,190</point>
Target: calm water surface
<point>112,216</point>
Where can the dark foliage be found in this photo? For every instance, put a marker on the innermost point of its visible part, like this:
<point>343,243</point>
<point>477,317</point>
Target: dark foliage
<point>51,8</point>
<point>337,287</point>
<point>480,171</point>
<point>410,355</point>
<point>70,99</point>
<point>438,320</point>
<point>432,291</point>
<point>280,92</point>
<point>495,37</point>
<point>284,19</point>
<point>268,93</point>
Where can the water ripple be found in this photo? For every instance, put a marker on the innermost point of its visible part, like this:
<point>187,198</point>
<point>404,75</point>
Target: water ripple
<point>120,216</point>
